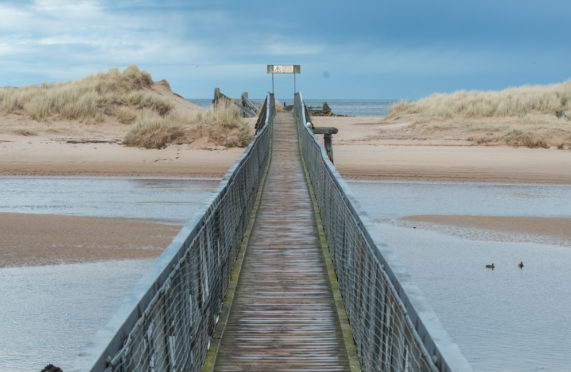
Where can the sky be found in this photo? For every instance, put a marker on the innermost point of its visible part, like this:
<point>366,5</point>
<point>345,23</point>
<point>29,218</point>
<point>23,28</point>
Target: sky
<point>377,49</point>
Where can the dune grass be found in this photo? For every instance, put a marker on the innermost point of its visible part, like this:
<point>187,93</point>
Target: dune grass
<point>514,102</point>
<point>125,97</point>
<point>153,131</point>
<point>523,116</point>
<point>92,99</point>
<point>222,126</point>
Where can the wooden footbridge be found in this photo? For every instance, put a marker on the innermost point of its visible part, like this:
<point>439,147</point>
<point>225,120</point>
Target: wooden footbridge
<point>279,272</point>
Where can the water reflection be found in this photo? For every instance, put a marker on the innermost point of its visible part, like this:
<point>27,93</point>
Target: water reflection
<point>505,319</point>
<point>163,199</point>
<point>48,313</point>
<point>399,199</point>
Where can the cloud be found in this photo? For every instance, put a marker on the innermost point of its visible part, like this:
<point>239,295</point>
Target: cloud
<point>290,48</point>
<point>47,32</point>
<point>6,49</point>
<point>67,8</point>
<point>65,39</point>
<point>13,19</point>
<point>434,60</point>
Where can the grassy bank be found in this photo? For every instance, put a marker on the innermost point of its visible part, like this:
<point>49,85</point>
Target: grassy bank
<point>221,127</point>
<point>158,117</point>
<point>95,98</point>
<point>511,102</point>
<point>522,116</point>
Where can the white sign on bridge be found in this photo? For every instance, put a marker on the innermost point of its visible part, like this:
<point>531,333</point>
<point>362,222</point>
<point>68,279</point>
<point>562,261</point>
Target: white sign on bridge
<point>284,69</point>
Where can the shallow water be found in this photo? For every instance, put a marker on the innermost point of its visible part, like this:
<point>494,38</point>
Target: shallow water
<point>148,198</point>
<point>48,313</point>
<point>390,200</point>
<point>506,319</point>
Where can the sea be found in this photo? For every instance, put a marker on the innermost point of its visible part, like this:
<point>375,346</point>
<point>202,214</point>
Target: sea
<point>347,107</point>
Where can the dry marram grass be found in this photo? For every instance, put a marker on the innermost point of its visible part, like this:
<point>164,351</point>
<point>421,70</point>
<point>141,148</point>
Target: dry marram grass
<point>222,126</point>
<point>519,101</point>
<point>125,97</point>
<point>523,116</point>
<point>110,94</point>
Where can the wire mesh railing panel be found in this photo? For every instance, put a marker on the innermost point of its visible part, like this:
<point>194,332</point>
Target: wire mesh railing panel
<point>388,332</point>
<point>166,322</point>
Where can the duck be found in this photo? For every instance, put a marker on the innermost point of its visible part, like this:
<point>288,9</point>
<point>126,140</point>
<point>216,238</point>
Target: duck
<point>520,265</point>
<point>492,266</point>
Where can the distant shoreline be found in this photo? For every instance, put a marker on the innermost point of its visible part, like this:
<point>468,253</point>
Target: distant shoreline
<point>346,107</point>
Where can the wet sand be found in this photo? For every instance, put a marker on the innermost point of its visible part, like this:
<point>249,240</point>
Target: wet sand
<point>31,240</point>
<point>539,229</point>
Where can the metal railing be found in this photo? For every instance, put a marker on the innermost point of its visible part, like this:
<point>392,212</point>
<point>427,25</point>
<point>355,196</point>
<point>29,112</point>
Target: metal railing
<point>393,326</point>
<point>167,321</point>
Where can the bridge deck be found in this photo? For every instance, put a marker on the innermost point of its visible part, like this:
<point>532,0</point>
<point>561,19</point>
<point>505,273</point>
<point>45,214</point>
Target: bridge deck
<point>283,316</point>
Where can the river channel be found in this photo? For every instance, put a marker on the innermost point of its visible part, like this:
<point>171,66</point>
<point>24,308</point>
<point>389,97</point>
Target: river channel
<point>505,319</point>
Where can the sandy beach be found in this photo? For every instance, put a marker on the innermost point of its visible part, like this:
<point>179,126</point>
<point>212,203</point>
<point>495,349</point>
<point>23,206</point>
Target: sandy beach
<point>373,148</point>
<point>99,156</point>
<point>361,151</point>
<point>65,148</point>
<point>503,228</point>
<point>365,148</point>
<point>32,239</point>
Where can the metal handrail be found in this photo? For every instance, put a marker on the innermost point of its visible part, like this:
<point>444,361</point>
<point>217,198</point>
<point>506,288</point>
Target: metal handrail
<point>364,265</point>
<point>187,283</point>
<point>167,320</point>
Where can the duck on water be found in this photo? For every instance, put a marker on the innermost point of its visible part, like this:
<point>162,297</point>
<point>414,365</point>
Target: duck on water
<point>492,266</point>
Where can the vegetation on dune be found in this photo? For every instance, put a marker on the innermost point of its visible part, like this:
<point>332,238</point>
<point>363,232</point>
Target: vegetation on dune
<point>523,116</point>
<point>125,97</point>
<point>279,106</point>
<point>155,132</point>
<point>224,126</point>
<point>546,99</point>
<point>220,127</point>
<point>110,94</point>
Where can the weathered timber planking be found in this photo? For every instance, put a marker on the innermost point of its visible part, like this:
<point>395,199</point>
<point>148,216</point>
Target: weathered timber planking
<point>283,316</point>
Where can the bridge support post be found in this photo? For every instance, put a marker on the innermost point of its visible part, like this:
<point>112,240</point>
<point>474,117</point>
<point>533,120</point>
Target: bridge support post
<point>328,133</point>
<point>328,137</point>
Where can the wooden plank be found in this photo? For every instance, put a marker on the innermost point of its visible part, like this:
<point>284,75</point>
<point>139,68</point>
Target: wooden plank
<point>283,316</point>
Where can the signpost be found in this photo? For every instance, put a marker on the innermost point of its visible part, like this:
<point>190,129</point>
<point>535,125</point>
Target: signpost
<point>284,69</point>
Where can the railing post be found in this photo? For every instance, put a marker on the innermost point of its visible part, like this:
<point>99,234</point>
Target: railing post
<point>185,286</point>
<point>404,338</point>
<point>329,145</point>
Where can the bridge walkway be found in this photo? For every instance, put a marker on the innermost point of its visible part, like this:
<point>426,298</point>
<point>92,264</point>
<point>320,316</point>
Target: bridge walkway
<point>283,317</point>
